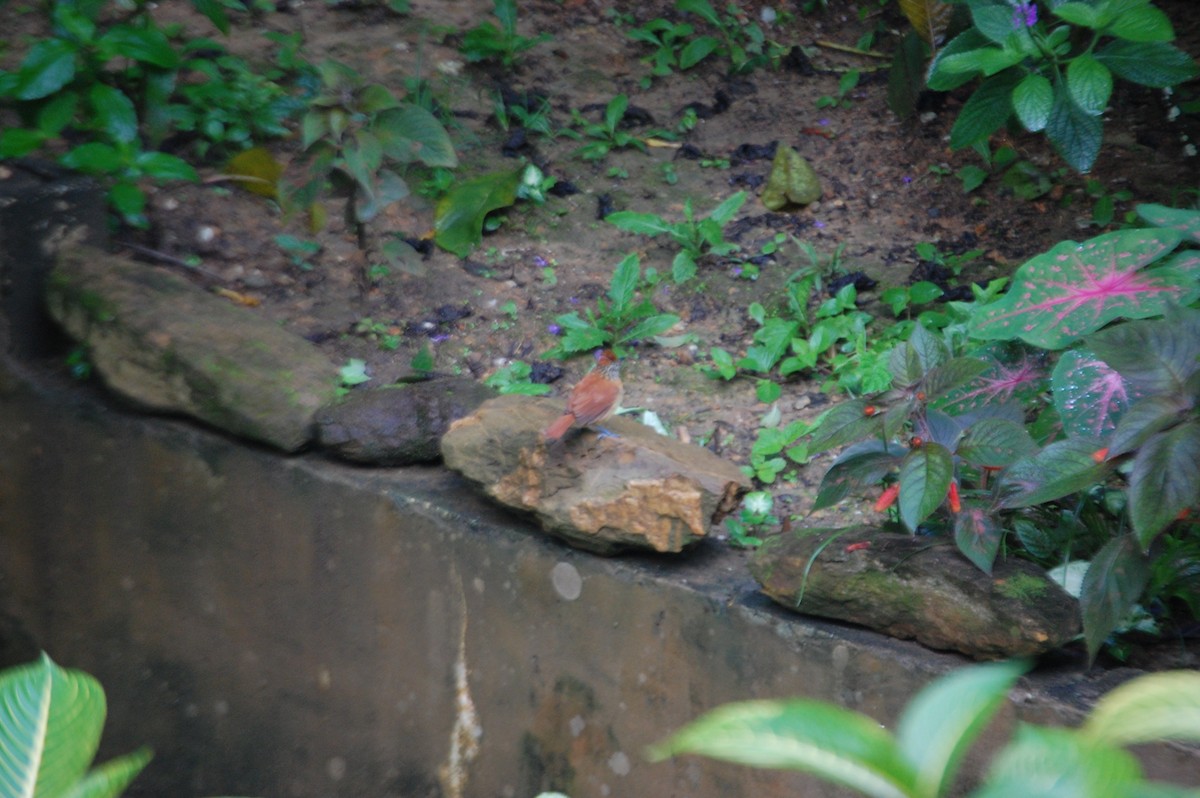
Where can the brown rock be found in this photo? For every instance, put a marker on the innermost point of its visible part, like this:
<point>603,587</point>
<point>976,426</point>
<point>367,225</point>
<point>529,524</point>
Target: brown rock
<point>917,588</point>
<point>397,424</point>
<point>603,494</point>
<point>169,346</point>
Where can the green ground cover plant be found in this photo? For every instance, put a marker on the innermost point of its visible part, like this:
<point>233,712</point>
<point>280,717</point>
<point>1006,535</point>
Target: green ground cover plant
<point>488,41</point>
<point>1051,66</point>
<point>1069,441</point>
<point>923,756</point>
<point>696,238</point>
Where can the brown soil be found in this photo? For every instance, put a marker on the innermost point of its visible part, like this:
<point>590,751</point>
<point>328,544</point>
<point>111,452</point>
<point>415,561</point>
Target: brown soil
<point>882,196</point>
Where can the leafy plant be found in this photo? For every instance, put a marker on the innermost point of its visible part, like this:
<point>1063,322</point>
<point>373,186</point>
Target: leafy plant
<point>607,134</point>
<point>674,47</point>
<point>737,38</point>
<point>937,729</point>
<point>756,511</point>
<point>462,214</point>
<point>68,86</point>
<point>846,84</point>
<point>514,378</point>
<point>620,318</point>
<point>360,137</point>
<point>696,237</point>
<point>487,41</point>
<point>1055,74</point>
<point>950,441</point>
<point>49,732</point>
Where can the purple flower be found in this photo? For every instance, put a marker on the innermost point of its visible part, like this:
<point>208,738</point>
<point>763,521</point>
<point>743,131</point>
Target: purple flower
<point>1024,15</point>
<point>554,329</point>
<point>540,262</point>
<point>437,339</point>
<point>737,271</point>
<point>819,224</point>
<point>823,122</point>
<point>906,179</point>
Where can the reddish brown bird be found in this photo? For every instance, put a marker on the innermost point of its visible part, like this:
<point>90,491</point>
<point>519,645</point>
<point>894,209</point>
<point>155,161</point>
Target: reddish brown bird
<point>593,399</point>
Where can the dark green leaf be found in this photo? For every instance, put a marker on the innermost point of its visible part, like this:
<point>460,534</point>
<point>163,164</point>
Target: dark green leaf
<point>977,536</point>
<point>460,214</point>
<point>683,267</point>
<point>1165,480</point>
<point>1156,357</point>
<point>647,224</point>
<point>624,282</point>
<point>1154,64</point>
<point>162,166</point>
<point>697,50</point>
<point>951,375</point>
<point>986,111</point>
<point>17,141</point>
<point>1143,23</point>
<point>1062,468</point>
<point>1090,84</point>
<point>843,424</point>
<point>215,13</point>
<point>410,133</point>
<point>1074,132</point>
<point>857,469</point>
<point>1147,416</point>
<point>995,443</point>
<point>614,112</point>
<point>48,66</point>
<point>128,199</point>
<point>93,158</point>
<point>1113,584</point>
<point>57,113</point>
<point>114,112</point>
<point>925,476</point>
<point>1032,100</point>
<point>941,79</point>
<point>906,76</point>
<point>651,327</point>
<point>147,45</point>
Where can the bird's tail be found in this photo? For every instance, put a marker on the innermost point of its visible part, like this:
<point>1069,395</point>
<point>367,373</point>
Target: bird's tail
<point>558,428</point>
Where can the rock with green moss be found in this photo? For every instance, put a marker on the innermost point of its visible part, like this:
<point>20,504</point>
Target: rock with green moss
<point>171,347</point>
<point>917,588</point>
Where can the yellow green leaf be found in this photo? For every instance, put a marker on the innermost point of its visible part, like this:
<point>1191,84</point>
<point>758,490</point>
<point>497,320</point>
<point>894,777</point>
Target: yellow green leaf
<point>929,18</point>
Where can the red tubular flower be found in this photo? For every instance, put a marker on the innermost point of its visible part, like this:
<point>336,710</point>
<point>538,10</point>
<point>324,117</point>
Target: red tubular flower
<point>952,495</point>
<point>888,497</point>
<point>1100,455</point>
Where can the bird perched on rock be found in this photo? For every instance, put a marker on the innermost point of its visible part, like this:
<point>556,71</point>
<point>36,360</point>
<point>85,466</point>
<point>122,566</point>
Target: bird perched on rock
<point>593,399</point>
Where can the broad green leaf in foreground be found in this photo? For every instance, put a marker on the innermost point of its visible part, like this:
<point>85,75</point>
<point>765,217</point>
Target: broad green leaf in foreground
<point>50,724</point>
<point>1159,706</point>
<point>834,743</point>
<point>1076,288</point>
<point>940,724</point>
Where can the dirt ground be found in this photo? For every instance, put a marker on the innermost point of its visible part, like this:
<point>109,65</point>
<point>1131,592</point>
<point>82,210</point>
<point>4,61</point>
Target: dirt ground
<point>887,187</point>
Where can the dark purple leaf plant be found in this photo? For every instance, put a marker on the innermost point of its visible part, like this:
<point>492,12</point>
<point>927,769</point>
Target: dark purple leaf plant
<point>1067,428</point>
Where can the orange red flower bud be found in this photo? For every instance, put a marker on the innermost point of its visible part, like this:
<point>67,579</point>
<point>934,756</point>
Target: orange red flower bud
<point>952,495</point>
<point>1100,455</point>
<point>887,498</point>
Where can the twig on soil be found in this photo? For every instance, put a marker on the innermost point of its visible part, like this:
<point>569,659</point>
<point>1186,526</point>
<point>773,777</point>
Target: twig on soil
<point>163,257</point>
<point>845,48</point>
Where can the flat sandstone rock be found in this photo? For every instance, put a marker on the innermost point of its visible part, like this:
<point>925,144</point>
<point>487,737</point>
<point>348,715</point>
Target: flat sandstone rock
<point>168,346</point>
<point>639,490</point>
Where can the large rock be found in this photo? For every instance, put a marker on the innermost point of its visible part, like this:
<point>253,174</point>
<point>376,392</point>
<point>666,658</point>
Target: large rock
<point>639,490</point>
<point>917,588</point>
<point>397,424</point>
<point>171,347</point>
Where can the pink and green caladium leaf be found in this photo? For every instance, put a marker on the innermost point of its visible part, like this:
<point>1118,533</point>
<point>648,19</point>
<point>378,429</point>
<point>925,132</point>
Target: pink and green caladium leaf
<point>1089,395</point>
<point>1112,585</point>
<point>1076,288</point>
<point>1000,383</point>
<point>1062,468</point>
<point>1165,480</point>
<point>925,477</point>
<point>977,536</point>
<point>1185,222</point>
